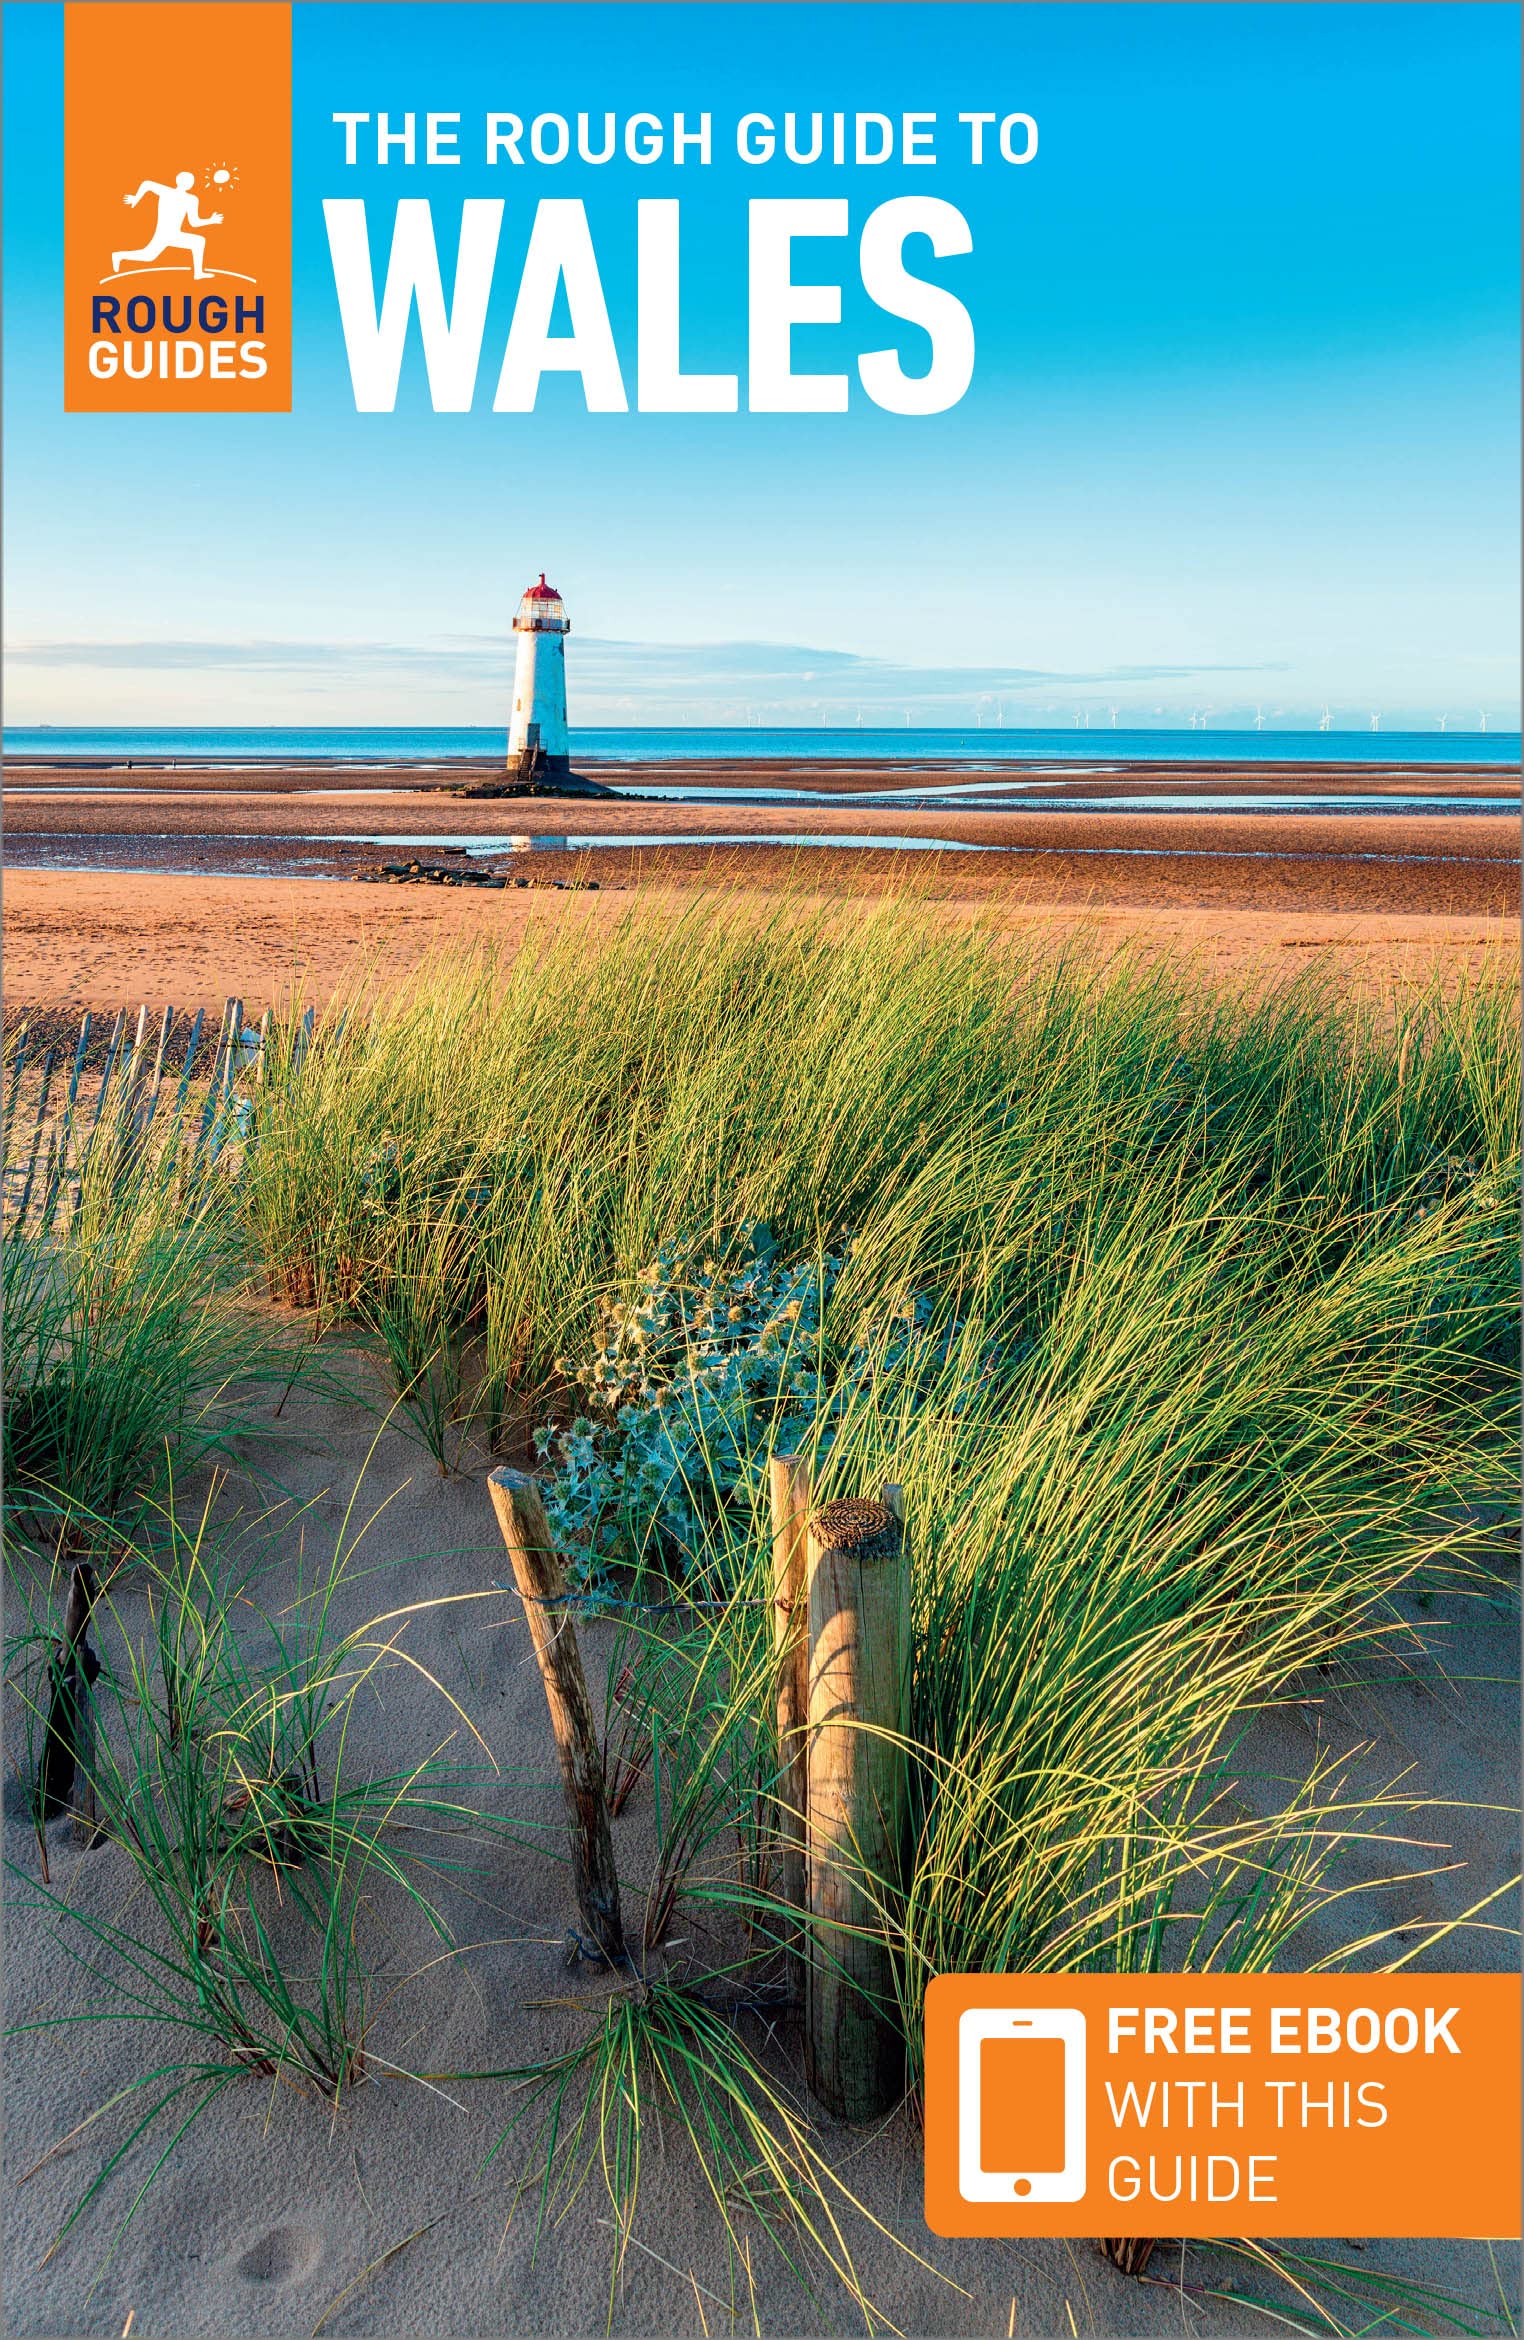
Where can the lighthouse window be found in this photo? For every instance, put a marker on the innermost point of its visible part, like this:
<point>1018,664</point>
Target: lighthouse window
<point>537,609</point>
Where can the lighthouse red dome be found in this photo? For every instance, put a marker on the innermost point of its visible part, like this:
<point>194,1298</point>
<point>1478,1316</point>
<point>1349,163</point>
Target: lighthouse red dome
<point>541,611</point>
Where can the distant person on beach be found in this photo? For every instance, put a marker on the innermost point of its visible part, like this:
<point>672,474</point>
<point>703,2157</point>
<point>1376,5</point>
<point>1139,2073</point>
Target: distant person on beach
<point>178,212</point>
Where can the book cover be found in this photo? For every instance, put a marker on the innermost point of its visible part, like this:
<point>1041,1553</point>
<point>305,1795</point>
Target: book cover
<point>761,1090</point>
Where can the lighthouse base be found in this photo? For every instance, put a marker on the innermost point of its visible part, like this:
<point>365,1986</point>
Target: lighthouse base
<point>531,772</point>
<point>532,768</point>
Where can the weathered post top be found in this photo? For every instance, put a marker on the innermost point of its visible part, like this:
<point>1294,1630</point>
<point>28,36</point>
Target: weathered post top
<point>857,1524</point>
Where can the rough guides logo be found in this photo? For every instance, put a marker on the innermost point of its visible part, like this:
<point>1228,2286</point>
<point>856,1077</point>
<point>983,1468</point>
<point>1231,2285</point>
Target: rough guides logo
<point>177,226</point>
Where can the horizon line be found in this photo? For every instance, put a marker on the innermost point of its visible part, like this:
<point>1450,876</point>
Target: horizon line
<point>748,730</point>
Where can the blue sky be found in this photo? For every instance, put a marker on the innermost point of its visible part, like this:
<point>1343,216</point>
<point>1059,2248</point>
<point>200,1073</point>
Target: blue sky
<point>1242,429</point>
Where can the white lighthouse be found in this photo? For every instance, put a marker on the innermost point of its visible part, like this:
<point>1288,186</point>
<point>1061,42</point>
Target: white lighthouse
<point>537,744</point>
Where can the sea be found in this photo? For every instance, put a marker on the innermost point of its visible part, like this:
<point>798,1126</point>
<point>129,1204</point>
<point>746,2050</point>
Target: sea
<point>1094,749</point>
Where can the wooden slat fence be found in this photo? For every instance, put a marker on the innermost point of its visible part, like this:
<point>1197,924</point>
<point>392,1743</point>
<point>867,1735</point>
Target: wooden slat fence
<point>52,1135</point>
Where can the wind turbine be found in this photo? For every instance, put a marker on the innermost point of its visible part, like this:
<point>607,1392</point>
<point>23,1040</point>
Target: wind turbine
<point>1444,723</point>
<point>1375,719</point>
<point>1323,725</point>
<point>1113,718</point>
<point>1259,718</point>
<point>1481,719</point>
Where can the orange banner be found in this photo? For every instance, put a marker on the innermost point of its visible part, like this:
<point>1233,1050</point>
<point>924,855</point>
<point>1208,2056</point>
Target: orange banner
<point>177,207</point>
<point>1223,2104</point>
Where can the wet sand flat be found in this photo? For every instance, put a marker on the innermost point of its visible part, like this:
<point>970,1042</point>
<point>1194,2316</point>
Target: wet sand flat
<point>833,776</point>
<point>337,823</point>
<point>194,883</point>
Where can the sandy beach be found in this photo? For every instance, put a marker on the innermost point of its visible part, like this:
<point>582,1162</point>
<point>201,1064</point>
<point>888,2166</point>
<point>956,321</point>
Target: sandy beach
<point>104,941</point>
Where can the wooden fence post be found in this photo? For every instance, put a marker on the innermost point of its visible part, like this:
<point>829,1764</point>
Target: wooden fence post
<point>542,1586</point>
<point>42,1112</point>
<point>859,1671</point>
<point>788,1477</point>
<point>67,1773</point>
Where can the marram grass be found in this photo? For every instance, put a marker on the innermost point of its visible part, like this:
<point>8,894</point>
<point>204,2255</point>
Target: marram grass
<point>1219,1287</point>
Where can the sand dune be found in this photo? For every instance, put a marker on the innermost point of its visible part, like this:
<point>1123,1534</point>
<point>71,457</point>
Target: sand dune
<point>273,2206</point>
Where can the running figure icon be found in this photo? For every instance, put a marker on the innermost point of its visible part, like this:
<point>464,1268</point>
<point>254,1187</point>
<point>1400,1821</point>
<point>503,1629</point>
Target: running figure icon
<point>178,213</point>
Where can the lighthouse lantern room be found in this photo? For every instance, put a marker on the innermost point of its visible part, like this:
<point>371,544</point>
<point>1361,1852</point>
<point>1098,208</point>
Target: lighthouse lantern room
<point>537,741</point>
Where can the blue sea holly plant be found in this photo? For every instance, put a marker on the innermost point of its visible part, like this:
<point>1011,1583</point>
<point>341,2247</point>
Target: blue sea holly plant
<point>692,1382</point>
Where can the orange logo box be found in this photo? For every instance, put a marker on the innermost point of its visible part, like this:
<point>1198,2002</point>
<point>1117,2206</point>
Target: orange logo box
<point>177,207</point>
<point>1223,2104</point>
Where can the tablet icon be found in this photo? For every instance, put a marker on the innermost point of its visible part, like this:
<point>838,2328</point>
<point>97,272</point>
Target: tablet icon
<point>1021,2104</point>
